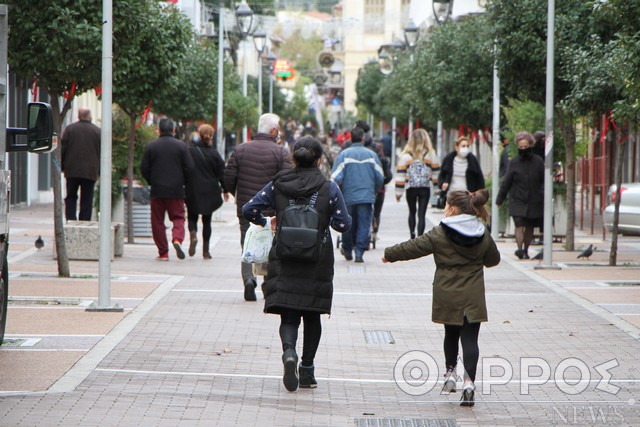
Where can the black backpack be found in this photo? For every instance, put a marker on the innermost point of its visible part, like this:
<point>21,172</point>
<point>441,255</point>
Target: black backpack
<point>299,234</point>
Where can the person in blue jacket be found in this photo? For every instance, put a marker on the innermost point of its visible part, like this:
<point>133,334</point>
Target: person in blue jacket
<point>359,174</point>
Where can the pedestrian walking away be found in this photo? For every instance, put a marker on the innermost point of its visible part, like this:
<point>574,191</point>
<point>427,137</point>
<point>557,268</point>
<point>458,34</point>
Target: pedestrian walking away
<point>359,174</point>
<point>167,165</point>
<point>524,185</point>
<point>205,189</point>
<point>250,167</point>
<point>388,176</point>
<point>297,289</point>
<point>461,245</point>
<point>416,167</point>
<point>80,164</point>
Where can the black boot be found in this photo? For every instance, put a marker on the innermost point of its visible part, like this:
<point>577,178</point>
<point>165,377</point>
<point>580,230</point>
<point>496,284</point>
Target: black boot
<point>290,362</point>
<point>205,250</point>
<point>193,241</point>
<point>307,377</point>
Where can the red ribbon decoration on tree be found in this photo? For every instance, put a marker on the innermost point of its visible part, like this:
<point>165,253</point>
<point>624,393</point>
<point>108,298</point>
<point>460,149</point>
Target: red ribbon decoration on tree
<point>67,95</point>
<point>34,89</point>
<point>144,115</point>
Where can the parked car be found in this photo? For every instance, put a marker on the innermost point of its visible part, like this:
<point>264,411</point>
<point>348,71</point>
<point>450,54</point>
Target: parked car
<point>629,222</point>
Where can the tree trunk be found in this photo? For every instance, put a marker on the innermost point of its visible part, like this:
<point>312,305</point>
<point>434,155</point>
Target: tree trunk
<point>567,128</point>
<point>613,254</point>
<point>61,247</point>
<point>132,146</point>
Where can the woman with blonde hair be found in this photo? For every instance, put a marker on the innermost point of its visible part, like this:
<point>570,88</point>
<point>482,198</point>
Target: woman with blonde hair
<point>204,188</point>
<point>418,161</point>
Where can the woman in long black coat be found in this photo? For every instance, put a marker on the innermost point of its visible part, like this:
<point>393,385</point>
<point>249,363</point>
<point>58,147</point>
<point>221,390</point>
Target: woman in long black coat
<point>205,188</point>
<point>524,183</point>
<point>297,289</point>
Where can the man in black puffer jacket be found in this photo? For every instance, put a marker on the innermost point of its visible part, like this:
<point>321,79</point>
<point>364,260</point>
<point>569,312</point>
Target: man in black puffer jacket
<point>251,166</point>
<point>166,166</point>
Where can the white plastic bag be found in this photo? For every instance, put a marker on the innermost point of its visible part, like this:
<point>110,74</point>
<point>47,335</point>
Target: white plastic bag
<point>257,243</point>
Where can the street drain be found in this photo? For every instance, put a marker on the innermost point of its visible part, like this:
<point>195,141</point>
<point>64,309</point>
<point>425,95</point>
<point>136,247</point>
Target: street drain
<point>44,301</point>
<point>622,283</point>
<point>378,337</point>
<point>20,342</point>
<point>404,422</point>
<point>358,269</point>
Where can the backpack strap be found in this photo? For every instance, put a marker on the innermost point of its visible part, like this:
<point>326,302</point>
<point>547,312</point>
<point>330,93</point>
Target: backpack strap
<point>312,200</point>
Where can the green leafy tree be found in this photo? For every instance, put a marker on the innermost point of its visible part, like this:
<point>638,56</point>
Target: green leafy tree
<point>618,23</point>
<point>302,53</point>
<point>299,105</point>
<point>367,86</point>
<point>521,36</point>
<point>57,44</point>
<point>452,74</point>
<point>197,83</point>
<point>150,52</point>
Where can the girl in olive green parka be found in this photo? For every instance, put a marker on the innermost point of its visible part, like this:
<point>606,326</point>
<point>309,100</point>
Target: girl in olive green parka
<point>461,246</point>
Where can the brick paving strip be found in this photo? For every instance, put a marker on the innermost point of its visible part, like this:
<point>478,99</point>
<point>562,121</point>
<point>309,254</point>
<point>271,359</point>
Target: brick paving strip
<point>200,355</point>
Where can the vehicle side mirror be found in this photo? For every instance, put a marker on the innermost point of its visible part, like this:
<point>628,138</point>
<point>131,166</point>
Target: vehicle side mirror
<point>40,135</point>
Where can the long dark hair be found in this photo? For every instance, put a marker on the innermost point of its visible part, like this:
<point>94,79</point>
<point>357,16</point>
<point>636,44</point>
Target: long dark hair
<point>470,203</point>
<point>306,152</point>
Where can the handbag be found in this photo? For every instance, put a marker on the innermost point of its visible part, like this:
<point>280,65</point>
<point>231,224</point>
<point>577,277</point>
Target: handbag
<point>441,201</point>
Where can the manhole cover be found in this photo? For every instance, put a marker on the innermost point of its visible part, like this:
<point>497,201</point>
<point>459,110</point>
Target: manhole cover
<point>378,337</point>
<point>404,422</point>
<point>358,269</point>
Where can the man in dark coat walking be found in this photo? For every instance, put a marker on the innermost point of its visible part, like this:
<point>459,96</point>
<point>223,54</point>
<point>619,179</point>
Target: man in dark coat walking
<point>166,166</point>
<point>251,166</point>
<point>80,164</point>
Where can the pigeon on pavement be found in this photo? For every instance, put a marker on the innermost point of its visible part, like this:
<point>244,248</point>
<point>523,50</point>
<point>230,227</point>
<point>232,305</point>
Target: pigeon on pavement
<point>39,243</point>
<point>587,252</point>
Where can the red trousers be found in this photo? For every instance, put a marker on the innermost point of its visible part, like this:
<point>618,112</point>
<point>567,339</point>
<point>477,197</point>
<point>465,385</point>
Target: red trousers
<point>175,209</point>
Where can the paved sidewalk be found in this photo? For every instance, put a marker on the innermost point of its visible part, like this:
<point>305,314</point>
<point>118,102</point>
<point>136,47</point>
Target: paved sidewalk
<point>191,351</point>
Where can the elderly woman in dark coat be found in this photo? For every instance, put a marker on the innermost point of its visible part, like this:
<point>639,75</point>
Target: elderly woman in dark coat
<point>297,289</point>
<point>524,184</point>
<point>204,189</point>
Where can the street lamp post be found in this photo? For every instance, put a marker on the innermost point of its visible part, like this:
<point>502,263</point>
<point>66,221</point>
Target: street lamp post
<point>244,19</point>
<point>441,12</point>
<point>259,41</point>
<point>411,35</point>
<point>548,145</point>
<point>271,60</point>
<point>221,48</point>
<point>386,67</point>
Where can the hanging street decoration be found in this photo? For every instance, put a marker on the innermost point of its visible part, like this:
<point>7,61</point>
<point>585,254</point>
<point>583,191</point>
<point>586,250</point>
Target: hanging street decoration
<point>283,70</point>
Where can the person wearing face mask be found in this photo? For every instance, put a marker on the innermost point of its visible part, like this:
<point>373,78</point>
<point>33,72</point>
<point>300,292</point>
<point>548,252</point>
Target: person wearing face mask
<point>460,169</point>
<point>524,185</point>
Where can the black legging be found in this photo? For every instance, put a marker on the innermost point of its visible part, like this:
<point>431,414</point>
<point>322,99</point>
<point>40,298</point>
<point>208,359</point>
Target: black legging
<point>206,225</point>
<point>468,335</point>
<point>419,196</point>
<point>377,210</point>
<point>289,324</point>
